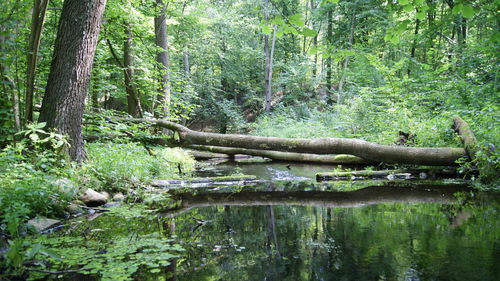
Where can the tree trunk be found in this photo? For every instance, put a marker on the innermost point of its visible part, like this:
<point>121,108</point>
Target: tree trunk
<point>468,138</point>
<point>269,74</point>
<point>329,63</point>
<point>63,103</point>
<point>163,57</point>
<point>388,174</point>
<point>267,55</point>
<point>286,156</point>
<point>8,85</point>
<point>38,18</point>
<point>445,156</point>
<point>346,61</point>
<point>414,44</point>
<point>133,101</point>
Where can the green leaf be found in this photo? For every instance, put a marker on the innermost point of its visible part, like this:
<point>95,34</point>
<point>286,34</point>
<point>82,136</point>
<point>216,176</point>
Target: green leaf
<point>467,11</point>
<point>40,125</point>
<point>297,20</point>
<point>309,32</point>
<point>420,15</point>
<point>403,2</point>
<point>457,9</point>
<point>266,29</point>
<point>408,8</point>
<point>34,137</point>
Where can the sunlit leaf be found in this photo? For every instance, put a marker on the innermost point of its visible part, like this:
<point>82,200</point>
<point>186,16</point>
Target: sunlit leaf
<point>297,20</point>
<point>467,11</point>
<point>309,32</point>
<point>457,9</point>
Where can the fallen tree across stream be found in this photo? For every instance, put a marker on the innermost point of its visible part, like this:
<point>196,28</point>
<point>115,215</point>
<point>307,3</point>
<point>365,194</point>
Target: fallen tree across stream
<point>286,156</point>
<point>442,156</point>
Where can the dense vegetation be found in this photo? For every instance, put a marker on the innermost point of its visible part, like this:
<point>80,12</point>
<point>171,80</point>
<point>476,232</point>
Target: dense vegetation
<point>289,68</point>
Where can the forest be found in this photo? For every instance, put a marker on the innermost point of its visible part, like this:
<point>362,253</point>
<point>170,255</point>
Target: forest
<point>108,96</point>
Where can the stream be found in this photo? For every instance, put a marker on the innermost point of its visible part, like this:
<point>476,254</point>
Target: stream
<point>288,227</point>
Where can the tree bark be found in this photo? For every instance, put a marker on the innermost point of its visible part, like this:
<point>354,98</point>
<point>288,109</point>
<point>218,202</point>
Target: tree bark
<point>287,156</point>
<point>467,136</point>
<point>269,72</point>
<point>444,156</point>
<point>8,85</point>
<point>38,18</point>
<point>267,55</point>
<point>163,56</point>
<point>346,61</point>
<point>63,103</point>
<point>389,174</point>
<point>133,101</point>
<point>329,61</point>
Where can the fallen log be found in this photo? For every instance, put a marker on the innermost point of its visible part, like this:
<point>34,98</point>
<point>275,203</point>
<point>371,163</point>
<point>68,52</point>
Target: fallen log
<point>468,138</point>
<point>286,156</point>
<point>223,180</point>
<point>444,156</point>
<point>388,174</point>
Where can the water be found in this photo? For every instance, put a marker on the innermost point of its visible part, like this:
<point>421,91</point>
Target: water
<point>291,228</point>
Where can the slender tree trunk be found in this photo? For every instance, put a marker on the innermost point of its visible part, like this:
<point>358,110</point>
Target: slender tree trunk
<point>329,63</point>
<point>133,101</point>
<point>63,103</point>
<point>269,75</point>
<point>414,44</point>
<point>161,34</point>
<point>346,61</point>
<point>8,85</point>
<point>38,19</point>
<point>185,60</point>
<point>267,55</point>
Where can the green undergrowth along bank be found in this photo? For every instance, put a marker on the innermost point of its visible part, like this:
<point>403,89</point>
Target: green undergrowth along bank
<point>122,244</point>
<point>119,167</point>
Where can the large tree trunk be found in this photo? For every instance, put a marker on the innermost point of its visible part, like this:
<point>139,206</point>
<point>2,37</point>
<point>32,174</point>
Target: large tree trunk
<point>63,103</point>
<point>286,156</point>
<point>133,101</point>
<point>269,72</point>
<point>38,18</point>
<point>445,156</point>
<point>163,57</point>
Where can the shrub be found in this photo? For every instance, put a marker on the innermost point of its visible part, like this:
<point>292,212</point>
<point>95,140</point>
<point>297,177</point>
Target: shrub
<point>119,167</point>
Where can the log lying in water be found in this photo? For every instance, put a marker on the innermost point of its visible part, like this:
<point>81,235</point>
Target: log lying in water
<point>236,179</point>
<point>388,174</point>
<point>286,156</point>
<point>445,156</point>
<point>329,199</point>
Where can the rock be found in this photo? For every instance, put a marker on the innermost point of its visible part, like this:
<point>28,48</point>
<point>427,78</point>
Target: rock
<point>118,197</point>
<point>42,223</point>
<point>93,198</point>
<point>106,195</point>
<point>74,209</point>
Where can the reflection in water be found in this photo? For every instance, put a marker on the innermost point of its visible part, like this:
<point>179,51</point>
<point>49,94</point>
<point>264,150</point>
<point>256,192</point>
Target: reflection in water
<point>278,235</point>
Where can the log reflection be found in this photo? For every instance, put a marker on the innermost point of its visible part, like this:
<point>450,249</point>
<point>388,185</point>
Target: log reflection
<point>328,199</point>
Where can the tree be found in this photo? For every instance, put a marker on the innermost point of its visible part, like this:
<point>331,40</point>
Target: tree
<point>163,56</point>
<point>63,103</point>
<point>38,18</point>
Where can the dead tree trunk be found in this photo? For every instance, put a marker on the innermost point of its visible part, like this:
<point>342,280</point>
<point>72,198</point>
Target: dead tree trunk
<point>286,156</point>
<point>468,138</point>
<point>444,156</point>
